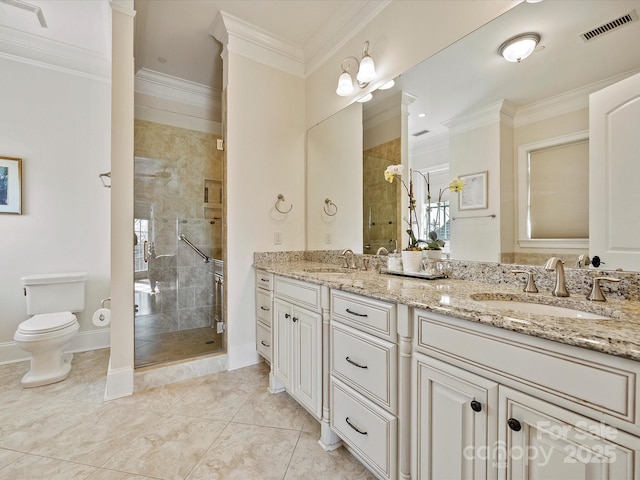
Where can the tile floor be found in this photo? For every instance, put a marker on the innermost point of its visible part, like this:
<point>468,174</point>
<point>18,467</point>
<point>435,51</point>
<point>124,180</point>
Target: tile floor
<point>222,426</point>
<point>152,348</point>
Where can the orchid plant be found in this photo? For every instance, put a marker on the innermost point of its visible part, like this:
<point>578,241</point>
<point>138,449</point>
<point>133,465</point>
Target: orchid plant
<point>433,242</point>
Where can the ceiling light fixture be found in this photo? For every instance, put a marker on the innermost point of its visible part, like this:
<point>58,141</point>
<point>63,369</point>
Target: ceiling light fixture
<point>366,72</point>
<point>519,47</point>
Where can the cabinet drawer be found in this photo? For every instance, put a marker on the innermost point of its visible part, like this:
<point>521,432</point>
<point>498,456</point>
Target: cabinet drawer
<point>576,375</point>
<point>263,341</point>
<point>264,280</point>
<point>303,294</point>
<point>263,307</point>
<point>366,363</point>
<point>367,429</point>
<point>366,314</point>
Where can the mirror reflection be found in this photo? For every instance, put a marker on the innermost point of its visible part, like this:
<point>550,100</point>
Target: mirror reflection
<point>467,111</point>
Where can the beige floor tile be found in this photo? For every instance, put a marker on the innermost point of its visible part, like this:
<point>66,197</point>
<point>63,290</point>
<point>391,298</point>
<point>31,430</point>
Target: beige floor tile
<point>95,440</point>
<point>8,456</point>
<point>268,410</point>
<point>170,450</point>
<point>29,425</point>
<point>335,465</point>
<point>244,452</point>
<point>32,467</point>
<point>104,474</point>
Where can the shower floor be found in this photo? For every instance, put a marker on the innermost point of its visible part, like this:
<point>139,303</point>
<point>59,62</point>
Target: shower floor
<point>172,346</point>
<point>156,338</point>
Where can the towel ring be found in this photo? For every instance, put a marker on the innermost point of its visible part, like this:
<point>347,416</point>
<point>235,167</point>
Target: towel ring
<point>281,199</point>
<point>327,205</point>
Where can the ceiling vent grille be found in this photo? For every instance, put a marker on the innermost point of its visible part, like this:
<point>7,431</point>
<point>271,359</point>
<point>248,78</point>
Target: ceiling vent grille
<point>632,16</point>
<point>420,133</point>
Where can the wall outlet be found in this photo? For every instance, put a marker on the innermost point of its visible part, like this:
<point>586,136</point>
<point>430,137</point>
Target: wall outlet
<point>277,238</point>
<point>219,327</point>
<point>328,238</point>
<point>219,144</point>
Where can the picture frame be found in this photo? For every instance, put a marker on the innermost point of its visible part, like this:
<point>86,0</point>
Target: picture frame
<point>11,185</point>
<point>474,194</point>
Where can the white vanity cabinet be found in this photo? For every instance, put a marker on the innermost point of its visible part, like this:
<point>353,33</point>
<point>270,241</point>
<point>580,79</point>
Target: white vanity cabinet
<point>297,341</point>
<point>264,307</point>
<point>364,379</point>
<point>491,403</point>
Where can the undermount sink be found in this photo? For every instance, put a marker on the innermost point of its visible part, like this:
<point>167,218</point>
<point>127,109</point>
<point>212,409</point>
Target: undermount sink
<point>534,306</point>
<point>542,309</point>
<point>328,270</point>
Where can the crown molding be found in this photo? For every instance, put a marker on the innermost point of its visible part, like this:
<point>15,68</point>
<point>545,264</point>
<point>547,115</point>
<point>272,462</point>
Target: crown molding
<point>567,102</point>
<point>427,145</point>
<point>500,111</point>
<point>344,24</point>
<point>242,38</point>
<point>155,84</point>
<point>36,50</point>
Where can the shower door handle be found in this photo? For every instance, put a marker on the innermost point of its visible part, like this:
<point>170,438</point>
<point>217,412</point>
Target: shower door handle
<point>145,251</point>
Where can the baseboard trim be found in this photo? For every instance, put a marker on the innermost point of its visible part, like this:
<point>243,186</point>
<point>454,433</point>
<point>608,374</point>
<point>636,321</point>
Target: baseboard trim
<point>119,382</point>
<point>81,342</point>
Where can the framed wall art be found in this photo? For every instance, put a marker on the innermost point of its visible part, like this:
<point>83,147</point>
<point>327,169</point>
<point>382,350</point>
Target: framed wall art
<point>474,194</point>
<point>10,185</point>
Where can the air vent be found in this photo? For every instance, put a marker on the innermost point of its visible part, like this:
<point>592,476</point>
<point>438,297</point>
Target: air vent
<point>632,16</point>
<point>420,133</point>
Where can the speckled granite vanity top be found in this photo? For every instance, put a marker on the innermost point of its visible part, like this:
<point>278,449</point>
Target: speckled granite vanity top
<point>619,335</point>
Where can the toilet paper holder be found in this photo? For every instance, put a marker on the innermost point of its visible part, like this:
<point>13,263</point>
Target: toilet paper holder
<point>105,300</point>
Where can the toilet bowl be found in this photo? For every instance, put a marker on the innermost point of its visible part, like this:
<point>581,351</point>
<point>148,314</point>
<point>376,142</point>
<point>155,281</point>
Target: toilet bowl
<point>45,336</point>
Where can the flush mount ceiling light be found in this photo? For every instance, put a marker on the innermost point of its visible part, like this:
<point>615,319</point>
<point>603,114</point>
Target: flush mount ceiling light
<point>366,72</point>
<point>519,47</point>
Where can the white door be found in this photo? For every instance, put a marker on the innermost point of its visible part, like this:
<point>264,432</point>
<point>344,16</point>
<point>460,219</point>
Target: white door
<point>456,419</point>
<point>543,441</point>
<point>614,170</point>
<point>283,343</point>
<point>307,386</point>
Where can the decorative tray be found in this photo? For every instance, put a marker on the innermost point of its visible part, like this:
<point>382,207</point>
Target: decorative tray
<point>423,275</point>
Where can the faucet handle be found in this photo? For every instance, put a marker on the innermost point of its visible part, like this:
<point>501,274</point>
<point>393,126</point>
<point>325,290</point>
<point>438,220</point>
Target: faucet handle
<point>596,294</point>
<point>531,284</point>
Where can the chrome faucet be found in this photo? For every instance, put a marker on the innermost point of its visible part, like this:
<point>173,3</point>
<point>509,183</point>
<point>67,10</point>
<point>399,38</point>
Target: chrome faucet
<point>560,289</point>
<point>346,253</point>
<point>530,287</point>
<point>382,251</point>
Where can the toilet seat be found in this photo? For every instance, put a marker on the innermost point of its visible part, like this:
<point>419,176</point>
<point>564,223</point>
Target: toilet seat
<point>47,323</point>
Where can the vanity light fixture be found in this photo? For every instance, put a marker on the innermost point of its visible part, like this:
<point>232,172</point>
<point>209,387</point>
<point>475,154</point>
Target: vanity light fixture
<point>387,85</point>
<point>366,72</point>
<point>519,47</point>
<point>366,98</point>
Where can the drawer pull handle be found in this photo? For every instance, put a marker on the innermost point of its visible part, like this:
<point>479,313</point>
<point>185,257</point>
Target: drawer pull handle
<point>265,344</point>
<point>357,314</point>
<point>354,427</point>
<point>476,406</point>
<point>514,424</point>
<point>264,279</point>
<point>264,308</point>
<point>286,315</point>
<point>354,363</point>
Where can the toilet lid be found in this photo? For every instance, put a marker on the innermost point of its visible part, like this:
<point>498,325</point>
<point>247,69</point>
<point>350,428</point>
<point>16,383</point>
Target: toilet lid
<point>47,322</point>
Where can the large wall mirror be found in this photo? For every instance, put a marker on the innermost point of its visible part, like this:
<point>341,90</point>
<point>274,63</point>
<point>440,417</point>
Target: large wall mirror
<point>466,111</point>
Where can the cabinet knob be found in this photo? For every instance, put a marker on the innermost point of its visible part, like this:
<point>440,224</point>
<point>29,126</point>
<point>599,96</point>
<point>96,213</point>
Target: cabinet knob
<point>286,315</point>
<point>514,424</point>
<point>476,406</point>
<point>295,319</point>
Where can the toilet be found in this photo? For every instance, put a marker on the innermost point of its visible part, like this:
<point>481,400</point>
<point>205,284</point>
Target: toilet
<point>52,299</point>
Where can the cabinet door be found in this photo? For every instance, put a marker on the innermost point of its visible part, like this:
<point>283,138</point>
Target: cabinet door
<point>614,230</point>
<point>307,387</point>
<point>456,420</point>
<point>542,441</point>
<point>283,343</point>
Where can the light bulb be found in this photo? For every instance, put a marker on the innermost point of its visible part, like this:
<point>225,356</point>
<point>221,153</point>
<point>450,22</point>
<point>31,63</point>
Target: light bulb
<point>345,85</point>
<point>367,70</point>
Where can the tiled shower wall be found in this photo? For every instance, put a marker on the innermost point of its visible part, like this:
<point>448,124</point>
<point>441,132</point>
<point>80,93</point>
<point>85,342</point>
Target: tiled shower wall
<point>176,205</point>
<point>382,220</point>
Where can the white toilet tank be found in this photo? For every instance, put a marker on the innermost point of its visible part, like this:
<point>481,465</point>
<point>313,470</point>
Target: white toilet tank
<point>54,292</point>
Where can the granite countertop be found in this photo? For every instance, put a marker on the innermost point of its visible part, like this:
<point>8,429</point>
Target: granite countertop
<point>618,336</point>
